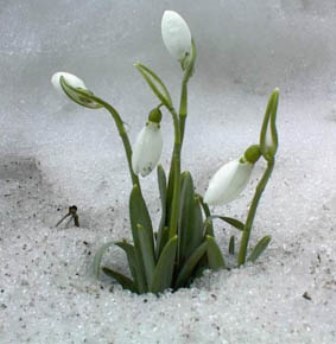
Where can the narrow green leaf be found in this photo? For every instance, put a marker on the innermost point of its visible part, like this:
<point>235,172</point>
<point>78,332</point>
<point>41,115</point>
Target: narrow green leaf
<point>163,194</point>
<point>215,256</point>
<point>186,272</point>
<point>155,83</point>
<point>232,245</point>
<point>259,248</point>
<point>147,253</point>
<point>233,222</point>
<point>124,281</point>
<point>163,273</point>
<point>80,96</point>
<point>208,225</point>
<point>190,226</point>
<point>139,215</point>
<point>163,241</point>
<point>169,194</point>
<point>134,266</point>
<point>99,256</point>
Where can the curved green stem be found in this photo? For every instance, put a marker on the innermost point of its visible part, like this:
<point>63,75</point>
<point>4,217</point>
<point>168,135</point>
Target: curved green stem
<point>252,211</point>
<point>123,134</point>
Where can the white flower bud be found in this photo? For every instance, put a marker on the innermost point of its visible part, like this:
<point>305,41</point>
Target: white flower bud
<point>147,149</point>
<point>176,35</point>
<point>71,79</point>
<point>228,182</point>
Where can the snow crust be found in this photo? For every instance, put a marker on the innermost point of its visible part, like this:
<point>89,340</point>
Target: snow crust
<point>53,155</point>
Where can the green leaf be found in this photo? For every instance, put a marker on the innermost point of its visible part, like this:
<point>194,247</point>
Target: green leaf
<point>170,193</point>
<point>99,256</point>
<point>163,194</point>
<point>259,248</point>
<point>208,225</point>
<point>232,245</point>
<point>147,253</point>
<point>155,83</point>
<point>163,273</point>
<point>139,215</point>
<point>233,222</point>
<point>80,96</point>
<point>186,272</point>
<point>215,257</point>
<point>134,266</point>
<point>163,241</point>
<point>124,281</point>
<point>190,226</point>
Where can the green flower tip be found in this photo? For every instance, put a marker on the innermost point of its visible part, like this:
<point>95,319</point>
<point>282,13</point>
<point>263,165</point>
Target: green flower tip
<point>155,116</point>
<point>252,154</point>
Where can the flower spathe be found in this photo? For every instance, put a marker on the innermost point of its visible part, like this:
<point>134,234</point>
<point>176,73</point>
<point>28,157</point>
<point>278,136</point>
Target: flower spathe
<point>71,79</point>
<point>147,149</point>
<point>228,182</point>
<point>176,35</point>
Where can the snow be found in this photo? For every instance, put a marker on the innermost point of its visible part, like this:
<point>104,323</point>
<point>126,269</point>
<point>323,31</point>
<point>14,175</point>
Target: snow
<point>54,155</point>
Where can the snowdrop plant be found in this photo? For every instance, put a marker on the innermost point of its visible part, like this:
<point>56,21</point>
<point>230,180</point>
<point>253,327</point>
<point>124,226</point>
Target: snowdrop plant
<point>184,243</point>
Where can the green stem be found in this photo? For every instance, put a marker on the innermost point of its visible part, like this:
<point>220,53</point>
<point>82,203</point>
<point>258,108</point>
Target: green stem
<point>179,125</point>
<point>176,165</point>
<point>183,107</point>
<point>252,211</point>
<point>123,134</point>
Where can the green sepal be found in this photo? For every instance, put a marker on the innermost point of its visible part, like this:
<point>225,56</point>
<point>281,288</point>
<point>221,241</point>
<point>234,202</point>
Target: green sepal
<point>80,96</point>
<point>190,225</point>
<point>215,257</point>
<point>186,272</point>
<point>155,83</point>
<point>259,248</point>
<point>134,266</point>
<point>232,245</point>
<point>252,154</point>
<point>163,273</point>
<point>124,281</point>
<point>230,220</point>
<point>99,256</point>
<point>147,253</point>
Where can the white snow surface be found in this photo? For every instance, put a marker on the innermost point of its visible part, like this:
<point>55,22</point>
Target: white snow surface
<point>54,155</point>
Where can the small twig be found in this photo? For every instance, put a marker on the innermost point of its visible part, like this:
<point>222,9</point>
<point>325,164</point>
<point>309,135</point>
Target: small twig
<point>73,214</point>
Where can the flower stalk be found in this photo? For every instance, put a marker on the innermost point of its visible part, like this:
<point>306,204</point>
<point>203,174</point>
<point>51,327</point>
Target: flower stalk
<point>252,212</point>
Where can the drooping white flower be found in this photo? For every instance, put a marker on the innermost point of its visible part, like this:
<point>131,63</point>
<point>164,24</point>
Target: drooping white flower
<point>71,79</point>
<point>147,149</point>
<point>228,182</point>
<point>176,35</point>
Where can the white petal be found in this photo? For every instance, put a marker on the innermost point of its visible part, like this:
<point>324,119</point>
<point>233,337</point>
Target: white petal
<point>71,79</point>
<point>228,182</point>
<point>147,149</point>
<point>175,34</point>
